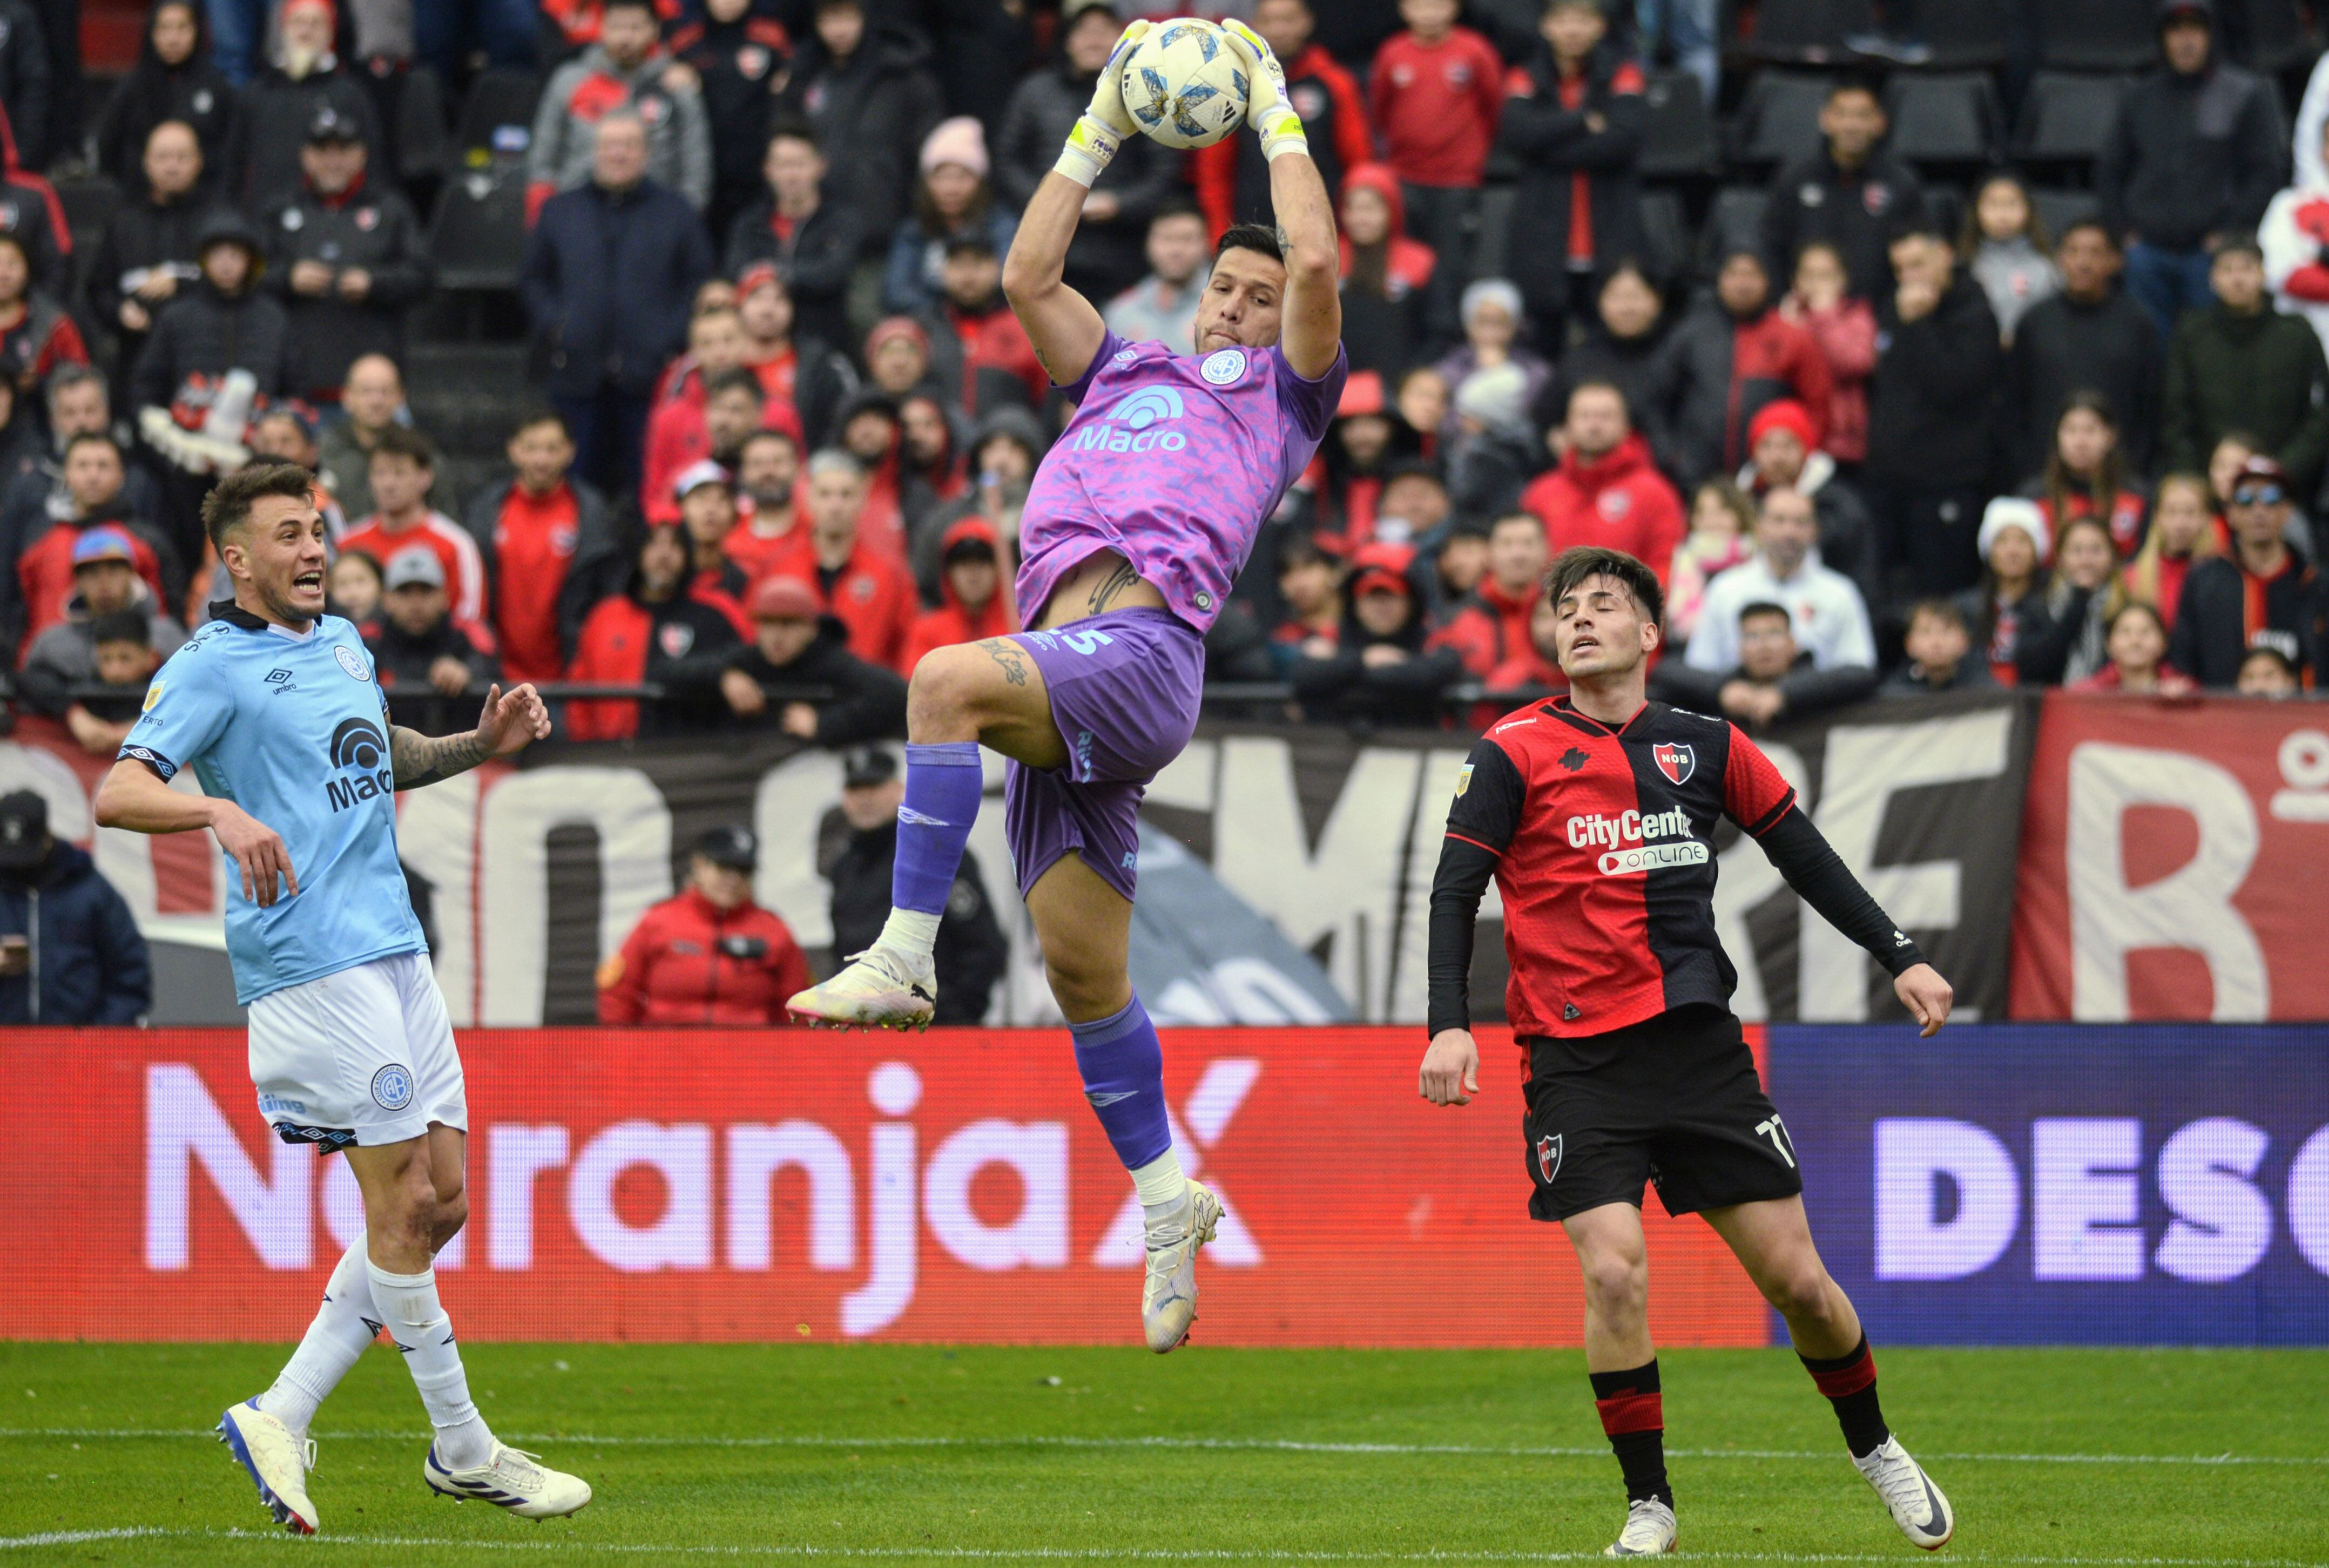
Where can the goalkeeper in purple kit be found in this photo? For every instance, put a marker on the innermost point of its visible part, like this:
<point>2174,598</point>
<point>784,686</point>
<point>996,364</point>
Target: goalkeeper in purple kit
<point>1139,519</point>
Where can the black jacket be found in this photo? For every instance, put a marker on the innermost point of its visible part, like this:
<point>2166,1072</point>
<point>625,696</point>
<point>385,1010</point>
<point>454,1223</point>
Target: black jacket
<point>2063,346</point>
<point>815,262</point>
<point>870,115</point>
<point>1553,145</point>
<point>1813,199</point>
<point>90,964</point>
<point>203,332</point>
<point>866,701</point>
<point>370,227</point>
<point>24,84</point>
<point>1103,259</point>
<point>733,63</point>
<point>2192,156</point>
<point>145,236</point>
<point>1636,366</point>
<point>1807,690</point>
<point>1933,393</point>
<point>971,952</point>
<point>2212,636</point>
<point>608,280</point>
<point>404,662</point>
<point>1342,688</point>
<point>194,91</point>
<point>262,156</point>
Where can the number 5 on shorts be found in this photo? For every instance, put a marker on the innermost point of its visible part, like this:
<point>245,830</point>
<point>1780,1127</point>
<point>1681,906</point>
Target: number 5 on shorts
<point>1776,1131</point>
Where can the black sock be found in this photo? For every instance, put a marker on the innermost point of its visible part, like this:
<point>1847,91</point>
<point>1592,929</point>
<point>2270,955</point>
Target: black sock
<point>1633,1414</point>
<point>1850,1384</point>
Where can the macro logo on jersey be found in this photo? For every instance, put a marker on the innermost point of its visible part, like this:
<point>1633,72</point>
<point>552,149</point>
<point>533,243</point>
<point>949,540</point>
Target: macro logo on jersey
<point>1675,762</point>
<point>358,745</point>
<point>1129,426</point>
<point>1639,841</point>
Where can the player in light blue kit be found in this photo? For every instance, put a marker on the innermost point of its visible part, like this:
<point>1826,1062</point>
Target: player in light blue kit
<point>274,706</point>
<point>1140,517</point>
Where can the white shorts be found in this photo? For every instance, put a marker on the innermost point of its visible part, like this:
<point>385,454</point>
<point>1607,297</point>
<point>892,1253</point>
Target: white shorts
<point>364,1056</point>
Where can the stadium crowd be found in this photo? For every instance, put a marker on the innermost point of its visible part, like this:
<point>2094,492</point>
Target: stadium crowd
<point>1880,426</point>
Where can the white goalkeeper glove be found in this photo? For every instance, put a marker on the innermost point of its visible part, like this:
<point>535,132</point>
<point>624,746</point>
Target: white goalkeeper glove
<point>1105,122</point>
<point>1266,107</point>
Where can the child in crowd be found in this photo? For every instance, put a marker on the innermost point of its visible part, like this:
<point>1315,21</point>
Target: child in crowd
<point>1721,530</point>
<point>2183,529</point>
<point>1939,647</point>
<point>2004,246</point>
<point>2136,645</point>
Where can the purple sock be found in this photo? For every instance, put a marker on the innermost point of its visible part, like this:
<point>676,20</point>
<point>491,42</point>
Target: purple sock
<point>943,784</point>
<point>1122,1069</point>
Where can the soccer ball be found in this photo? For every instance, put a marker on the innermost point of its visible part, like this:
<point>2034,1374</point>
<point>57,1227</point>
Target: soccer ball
<point>1183,85</point>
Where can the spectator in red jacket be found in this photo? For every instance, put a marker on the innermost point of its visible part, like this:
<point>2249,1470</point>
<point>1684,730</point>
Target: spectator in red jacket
<point>548,544</point>
<point>978,351</point>
<point>773,536</point>
<point>706,493</point>
<point>709,955</point>
<point>1844,328</point>
<point>974,602</point>
<point>682,437</point>
<point>1437,90</point>
<point>1605,490</point>
<point>1493,625</point>
<point>1727,358</point>
<point>35,334</point>
<point>1232,177</point>
<point>659,631</point>
<point>403,470</point>
<point>857,584</point>
<point>93,483</point>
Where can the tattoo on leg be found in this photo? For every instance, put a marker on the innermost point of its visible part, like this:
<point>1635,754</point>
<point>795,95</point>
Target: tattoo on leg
<point>1007,655</point>
<point>1117,583</point>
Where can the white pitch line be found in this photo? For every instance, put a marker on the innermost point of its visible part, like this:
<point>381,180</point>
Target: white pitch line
<point>569,1547</point>
<point>1231,1445</point>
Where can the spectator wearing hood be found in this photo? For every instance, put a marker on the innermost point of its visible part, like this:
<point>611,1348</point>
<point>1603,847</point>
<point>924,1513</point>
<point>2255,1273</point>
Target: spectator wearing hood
<point>1384,669</point>
<point>1728,357</point>
<point>174,79</point>
<point>419,646</point>
<point>1105,257</point>
<point>1162,307</point>
<point>1493,448</point>
<point>1623,345</point>
<point>147,253</point>
<point>1492,318</point>
<point>954,199</point>
<point>2194,159</point>
<point>105,581</point>
<point>546,543</point>
<point>979,353</point>
<point>306,76</point>
<point>1232,177</point>
<point>869,96</point>
<point>659,631</point>
<point>625,71</point>
<point>1366,438</point>
<point>45,578</point>
<point>809,239</point>
<point>973,593</point>
<point>611,271</point>
<point>1605,490</point>
<point>221,323</point>
<point>1387,278</point>
<point>70,951</point>
<point>1781,454</point>
<point>1493,623</point>
<point>2241,366</point>
<point>2091,337</point>
<point>735,52</point>
<point>898,357</point>
<point>1573,121</point>
<point>346,257</point>
<point>1849,193</point>
<point>1004,448</point>
<point>797,643</point>
<point>1932,403</point>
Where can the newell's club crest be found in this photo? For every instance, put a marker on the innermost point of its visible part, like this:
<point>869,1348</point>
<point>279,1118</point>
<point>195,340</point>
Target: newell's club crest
<point>1674,761</point>
<point>1547,1156</point>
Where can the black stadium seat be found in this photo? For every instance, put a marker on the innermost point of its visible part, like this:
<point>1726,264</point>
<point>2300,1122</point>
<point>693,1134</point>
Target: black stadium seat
<point>478,238</point>
<point>1963,34</point>
<point>1778,119</point>
<point>2057,210</point>
<point>2066,118</point>
<point>2097,34</point>
<point>499,114</point>
<point>1666,229</point>
<point>2268,35</point>
<point>1736,219</point>
<point>1951,118</point>
<point>1678,138</point>
<point>1809,32</point>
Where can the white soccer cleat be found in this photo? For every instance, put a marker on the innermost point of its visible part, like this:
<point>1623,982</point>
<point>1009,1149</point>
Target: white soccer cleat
<point>514,1479</point>
<point>278,1462</point>
<point>880,988</point>
<point>1649,1531</point>
<point>1168,1297</point>
<point>1917,1505</point>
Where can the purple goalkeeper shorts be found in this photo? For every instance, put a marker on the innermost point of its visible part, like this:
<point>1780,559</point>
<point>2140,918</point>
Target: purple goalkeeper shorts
<point>1124,689</point>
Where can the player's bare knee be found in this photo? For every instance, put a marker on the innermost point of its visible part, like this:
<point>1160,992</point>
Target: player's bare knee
<point>944,692</point>
<point>1801,1291</point>
<point>1617,1284</point>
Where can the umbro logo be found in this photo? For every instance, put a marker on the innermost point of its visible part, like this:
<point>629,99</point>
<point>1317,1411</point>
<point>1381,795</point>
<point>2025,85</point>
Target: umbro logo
<point>277,678</point>
<point>1574,759</point>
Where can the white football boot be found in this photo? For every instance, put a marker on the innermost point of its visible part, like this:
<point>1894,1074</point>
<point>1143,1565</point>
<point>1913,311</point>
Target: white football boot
<point>278,1462</point>
<point>1649,1531</point>
<point>879,990</point>
<point>1917,1505</point>
<point>1168,1297</point>
<point>513,1479</point>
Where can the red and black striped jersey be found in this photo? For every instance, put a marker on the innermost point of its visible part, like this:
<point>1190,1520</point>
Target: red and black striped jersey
<point>1602,844</point>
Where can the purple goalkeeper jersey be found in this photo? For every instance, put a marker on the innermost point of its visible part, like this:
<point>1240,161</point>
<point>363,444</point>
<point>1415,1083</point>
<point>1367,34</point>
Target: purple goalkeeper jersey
<point>1173,461</point>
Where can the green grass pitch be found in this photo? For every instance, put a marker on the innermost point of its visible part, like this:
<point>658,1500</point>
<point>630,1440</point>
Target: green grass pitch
<point>910,1454</point>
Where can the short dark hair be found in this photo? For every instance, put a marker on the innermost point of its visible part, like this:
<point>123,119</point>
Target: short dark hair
<point>1515,516</point>
<point>1175,207</point>
<point>404,441</point>
<point>1301,549</point>
<point>969,242</point>
<point>122,626</point>
<point>766,435</point>
<point>2082,225</point>
<point>1917,226</point>
<point>1946,610</point>
<point>2243,244</point>
<point>1764,607</point>
<point>100,438</point>
<point>1845,84</point>
<point>735,378</point>
<point>1576,565</point>
<point>539,414</point>
<point>228,505</point>
<point>1257,237</point>
<point>792,127</point>
<point>646,5</point>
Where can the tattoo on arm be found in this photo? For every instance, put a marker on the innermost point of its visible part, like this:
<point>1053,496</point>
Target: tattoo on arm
<point>1115,585</point>
<point>421,760</point>
<point>1007,654</point>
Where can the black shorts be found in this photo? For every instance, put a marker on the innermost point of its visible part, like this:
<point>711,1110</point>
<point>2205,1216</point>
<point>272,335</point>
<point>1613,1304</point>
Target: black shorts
<point>1673,1100</point>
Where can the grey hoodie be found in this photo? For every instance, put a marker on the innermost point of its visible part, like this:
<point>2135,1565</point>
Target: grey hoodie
<point>679,136</point>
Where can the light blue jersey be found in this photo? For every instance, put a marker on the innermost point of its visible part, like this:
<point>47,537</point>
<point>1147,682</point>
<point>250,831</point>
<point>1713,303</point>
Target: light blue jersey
<point>295,730</point>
